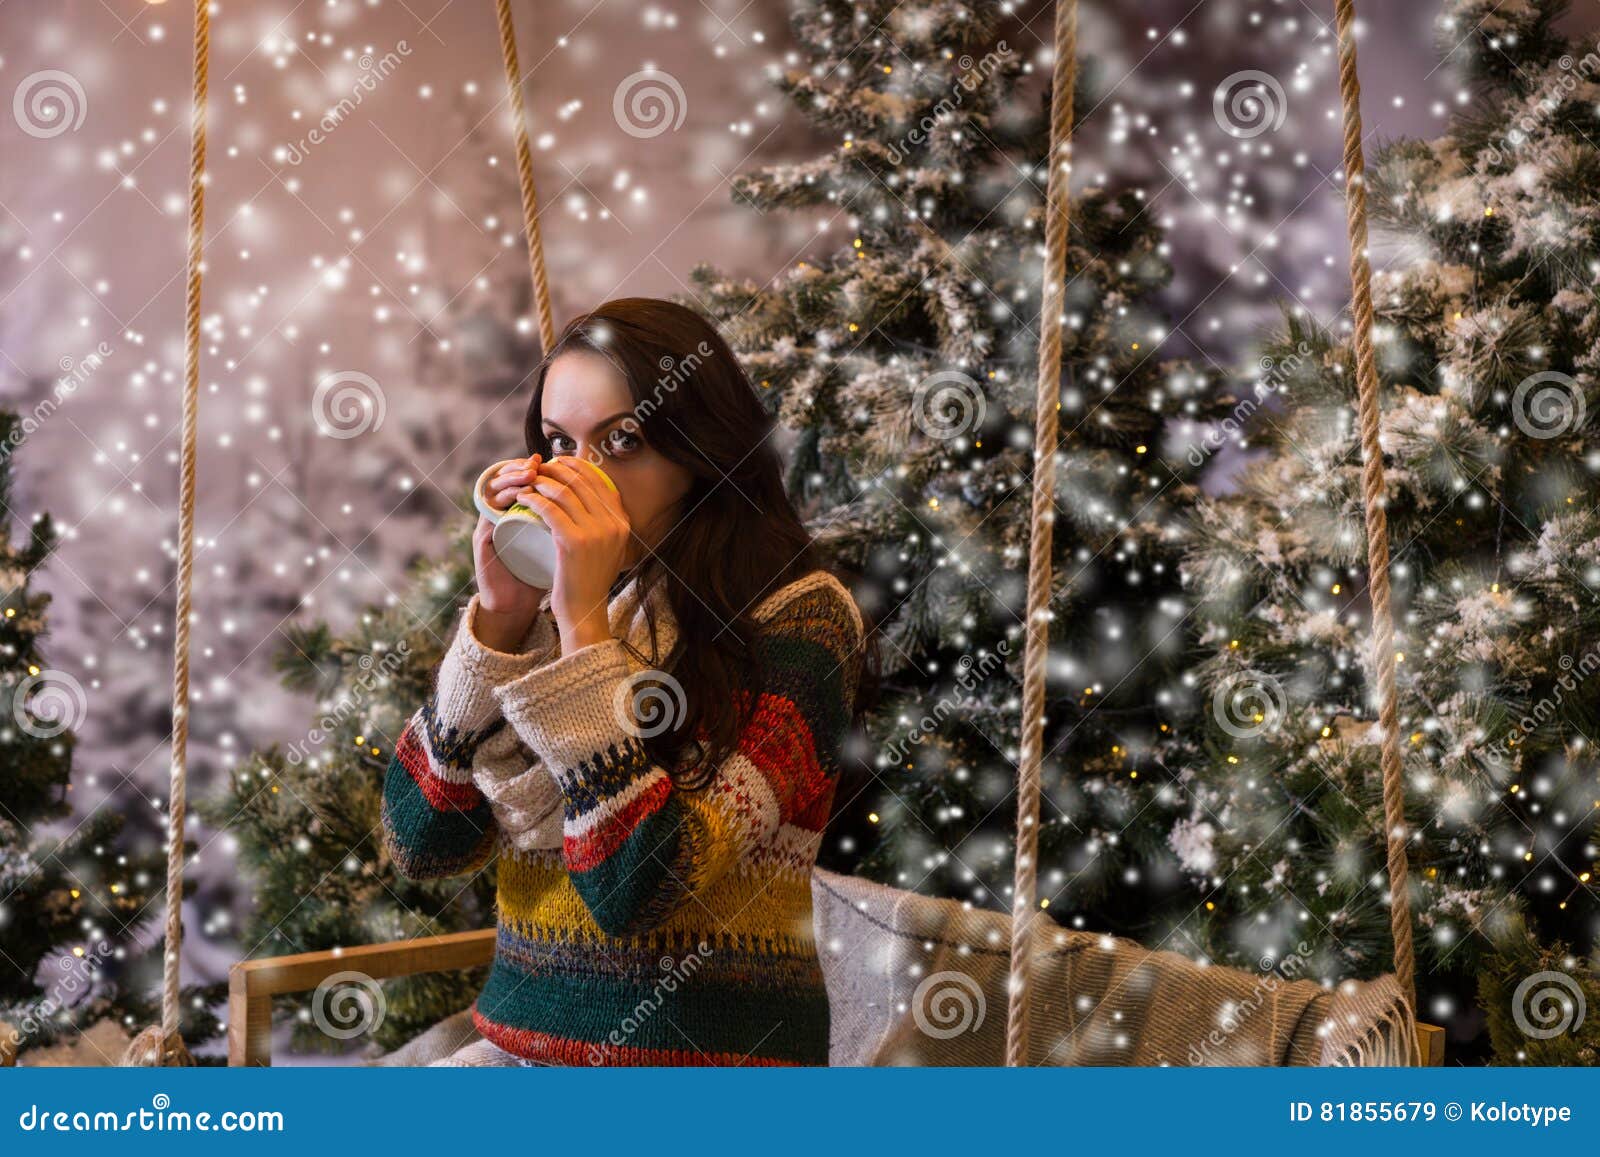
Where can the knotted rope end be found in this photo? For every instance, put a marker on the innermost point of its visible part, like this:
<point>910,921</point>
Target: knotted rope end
<point>152,1049</point>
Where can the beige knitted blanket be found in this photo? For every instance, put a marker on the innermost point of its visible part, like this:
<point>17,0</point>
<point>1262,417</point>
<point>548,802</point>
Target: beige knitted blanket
<point>918,981</point>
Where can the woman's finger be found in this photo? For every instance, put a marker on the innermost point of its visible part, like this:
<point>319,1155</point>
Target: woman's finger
<point>561,523</point>
<point>503,494</point>
<point>567,477</point>
<point>597,498</point>
<point>560,494</point>
<point>513,475</point>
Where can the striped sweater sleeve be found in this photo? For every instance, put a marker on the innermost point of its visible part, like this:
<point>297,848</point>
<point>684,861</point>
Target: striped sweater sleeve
<point>436,821</point>
<point>637,847</point>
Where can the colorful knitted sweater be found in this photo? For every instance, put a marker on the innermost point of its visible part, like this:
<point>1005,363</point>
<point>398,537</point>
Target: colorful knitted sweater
<point>638,923</point>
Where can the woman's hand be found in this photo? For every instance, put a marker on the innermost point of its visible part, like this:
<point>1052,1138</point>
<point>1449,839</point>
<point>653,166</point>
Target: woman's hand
<point>591,533</point>
<point>507,606</point>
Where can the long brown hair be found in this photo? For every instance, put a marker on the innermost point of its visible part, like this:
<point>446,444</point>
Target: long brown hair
<point>739,537</point>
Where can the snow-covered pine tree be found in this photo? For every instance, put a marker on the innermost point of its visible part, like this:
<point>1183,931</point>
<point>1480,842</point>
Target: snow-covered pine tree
<point>73,900</point>
<point>903,363</point>
<point>1487,338</point>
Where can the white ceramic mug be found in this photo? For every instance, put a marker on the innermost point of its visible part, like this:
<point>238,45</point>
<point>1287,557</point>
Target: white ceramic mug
<point>522,541</point>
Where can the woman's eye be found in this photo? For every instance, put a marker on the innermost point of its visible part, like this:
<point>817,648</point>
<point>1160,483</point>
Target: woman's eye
<point>556,442</point>
<point>621,443</point>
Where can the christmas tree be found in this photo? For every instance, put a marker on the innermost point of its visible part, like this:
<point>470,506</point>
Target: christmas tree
<point>1486,335</point>
<point>73,901</point>
<point>904,362</point>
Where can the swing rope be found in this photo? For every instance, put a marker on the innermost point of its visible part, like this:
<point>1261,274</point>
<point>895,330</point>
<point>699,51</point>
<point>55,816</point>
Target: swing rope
<point>530,202</point>
<point>1041,537</point>
<point>163,1045</point>
<point>1039,557</point>
<point>1383,658</point>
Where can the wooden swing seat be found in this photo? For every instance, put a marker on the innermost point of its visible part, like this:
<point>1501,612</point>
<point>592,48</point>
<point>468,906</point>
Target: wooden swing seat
<point>932,938</point>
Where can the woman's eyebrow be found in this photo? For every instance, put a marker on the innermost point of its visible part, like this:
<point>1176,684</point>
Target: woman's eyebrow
<point>601,425</point>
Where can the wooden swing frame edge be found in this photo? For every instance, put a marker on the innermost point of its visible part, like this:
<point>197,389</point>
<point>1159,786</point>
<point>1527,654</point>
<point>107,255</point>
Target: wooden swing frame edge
<point>253,983</point>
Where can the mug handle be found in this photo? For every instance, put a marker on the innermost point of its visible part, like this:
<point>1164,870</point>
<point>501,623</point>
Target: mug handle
<point>480,498</point>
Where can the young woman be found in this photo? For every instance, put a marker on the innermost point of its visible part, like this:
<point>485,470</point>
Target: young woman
<point>656,820</point>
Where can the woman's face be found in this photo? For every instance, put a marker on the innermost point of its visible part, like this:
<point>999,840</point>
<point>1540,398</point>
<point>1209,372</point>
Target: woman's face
<point>587,412</point>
